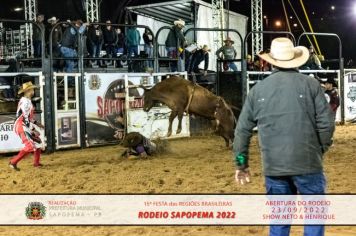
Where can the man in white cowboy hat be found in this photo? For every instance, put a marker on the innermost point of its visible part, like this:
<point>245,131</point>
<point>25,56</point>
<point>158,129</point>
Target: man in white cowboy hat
<point>228,53</point>
<point>175,43</point>
<point>69,43</point>
<point>295,129</point>
<point>25,127</point>
<point>56,35</point>
<point>197,57</point>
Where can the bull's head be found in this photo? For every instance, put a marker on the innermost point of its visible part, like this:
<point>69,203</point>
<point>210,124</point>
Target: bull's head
<point>148,101</point>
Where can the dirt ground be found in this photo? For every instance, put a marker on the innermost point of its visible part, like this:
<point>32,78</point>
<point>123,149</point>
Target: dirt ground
<point>195,165</point>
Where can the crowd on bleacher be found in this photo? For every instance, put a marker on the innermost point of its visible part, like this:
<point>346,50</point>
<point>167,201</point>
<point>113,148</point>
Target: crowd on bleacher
<point>119,44</point>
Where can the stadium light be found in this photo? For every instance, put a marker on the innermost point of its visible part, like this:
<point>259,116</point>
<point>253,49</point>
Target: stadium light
<point>278,23</point>
<point>354,8</point>
<point>333,8</point>
<point>18,9</point>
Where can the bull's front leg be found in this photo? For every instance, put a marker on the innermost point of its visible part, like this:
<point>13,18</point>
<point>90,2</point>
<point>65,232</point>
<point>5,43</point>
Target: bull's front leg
<point>171,118</point>
<point>180,117</point>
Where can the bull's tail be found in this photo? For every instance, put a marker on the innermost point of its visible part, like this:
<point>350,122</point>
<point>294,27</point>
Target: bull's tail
<point>190,99</point>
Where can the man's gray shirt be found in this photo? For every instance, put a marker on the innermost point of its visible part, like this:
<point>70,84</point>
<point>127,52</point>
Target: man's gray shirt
<point>294,120</point>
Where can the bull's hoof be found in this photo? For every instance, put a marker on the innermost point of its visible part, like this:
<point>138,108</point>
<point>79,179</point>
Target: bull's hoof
<point>169,133</point>
<point>179,130</point>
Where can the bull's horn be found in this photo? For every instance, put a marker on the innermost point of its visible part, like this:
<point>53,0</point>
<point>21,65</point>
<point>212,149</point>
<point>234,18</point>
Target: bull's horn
<point>144,88</point>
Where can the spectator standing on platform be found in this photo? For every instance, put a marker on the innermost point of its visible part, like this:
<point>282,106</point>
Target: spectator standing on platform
<point>313,62</point>
<point>133,39</point>
<point>295,129</point>
<point>148,39</point>
<point>95,37</point>
<point>120,47</point>
<point>197,57</point>
<point>110,40</point>
<point>69,43</point>
<point>120,41</point>
<point>37,35</point>
<point>332,93</point>
<point>175,44</point>
<point>57,35</point>
<point>228,53</point>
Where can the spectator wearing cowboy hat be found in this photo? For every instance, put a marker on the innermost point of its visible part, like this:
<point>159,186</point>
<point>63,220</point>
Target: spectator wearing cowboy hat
<point>197,57</point>
<point>295,129</point>
<point>332,93</point>
<point>25,125</point>
<point>228,53</point>
<point>57,34</point>
<point>175,43</point>
<point>69,43</point>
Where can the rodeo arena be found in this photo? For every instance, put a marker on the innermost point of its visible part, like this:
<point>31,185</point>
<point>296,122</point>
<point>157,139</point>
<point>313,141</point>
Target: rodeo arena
<point>173,97</point>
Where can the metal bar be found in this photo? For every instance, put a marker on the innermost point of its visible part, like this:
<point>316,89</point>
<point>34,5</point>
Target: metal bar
<point>341,67</point>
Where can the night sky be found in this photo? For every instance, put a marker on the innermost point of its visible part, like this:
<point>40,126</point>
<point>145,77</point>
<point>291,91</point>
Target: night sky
<point>341,20</point>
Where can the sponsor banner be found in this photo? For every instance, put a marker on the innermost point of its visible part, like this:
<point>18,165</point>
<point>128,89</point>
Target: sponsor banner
<point>106,115</point>
<point>350,96</point>
<point>177,209</point>
<point>9,140</point>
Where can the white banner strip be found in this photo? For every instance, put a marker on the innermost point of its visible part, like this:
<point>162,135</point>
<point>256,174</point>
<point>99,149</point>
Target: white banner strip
<point>177,209</point>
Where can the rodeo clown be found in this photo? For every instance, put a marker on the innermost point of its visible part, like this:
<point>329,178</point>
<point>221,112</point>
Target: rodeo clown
<point>138,146</point>
<point>25,127</point>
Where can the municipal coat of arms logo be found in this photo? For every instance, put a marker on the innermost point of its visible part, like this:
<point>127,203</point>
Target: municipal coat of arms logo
<point>35,211</point>
<point>94,82</point>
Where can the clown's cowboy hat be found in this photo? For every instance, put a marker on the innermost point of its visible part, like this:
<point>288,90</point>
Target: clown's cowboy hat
<point>179,22</point>
<point>283,54</point>
<point>228,39</point>
<point>27,86</point>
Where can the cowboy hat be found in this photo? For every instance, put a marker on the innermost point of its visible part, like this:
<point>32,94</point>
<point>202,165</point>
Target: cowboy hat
<point>52,19</point>
<point>228,39</point>
<point>206,48</point>
<point>27,86</point>
<point>132,139</point>
<point>330,80</point>
<point>283,54</point>
<point>179,22</point>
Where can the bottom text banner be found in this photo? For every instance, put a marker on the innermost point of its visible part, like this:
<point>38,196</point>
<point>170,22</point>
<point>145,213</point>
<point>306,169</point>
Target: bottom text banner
<point>178,209</point>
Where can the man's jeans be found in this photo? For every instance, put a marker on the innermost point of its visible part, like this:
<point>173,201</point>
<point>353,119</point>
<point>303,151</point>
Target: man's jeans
<point>298,184</point>
<point>95,50</point>
<point>70,63</point>
<point>232,66</point>
<point>149,52</point>
<point>173,53</point>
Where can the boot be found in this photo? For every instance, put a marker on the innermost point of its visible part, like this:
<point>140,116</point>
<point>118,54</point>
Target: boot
<point>36,158</point>
<point>19,157</point>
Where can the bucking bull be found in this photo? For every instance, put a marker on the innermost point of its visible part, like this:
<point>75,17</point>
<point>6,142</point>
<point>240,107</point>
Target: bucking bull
<point>181,96</point>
